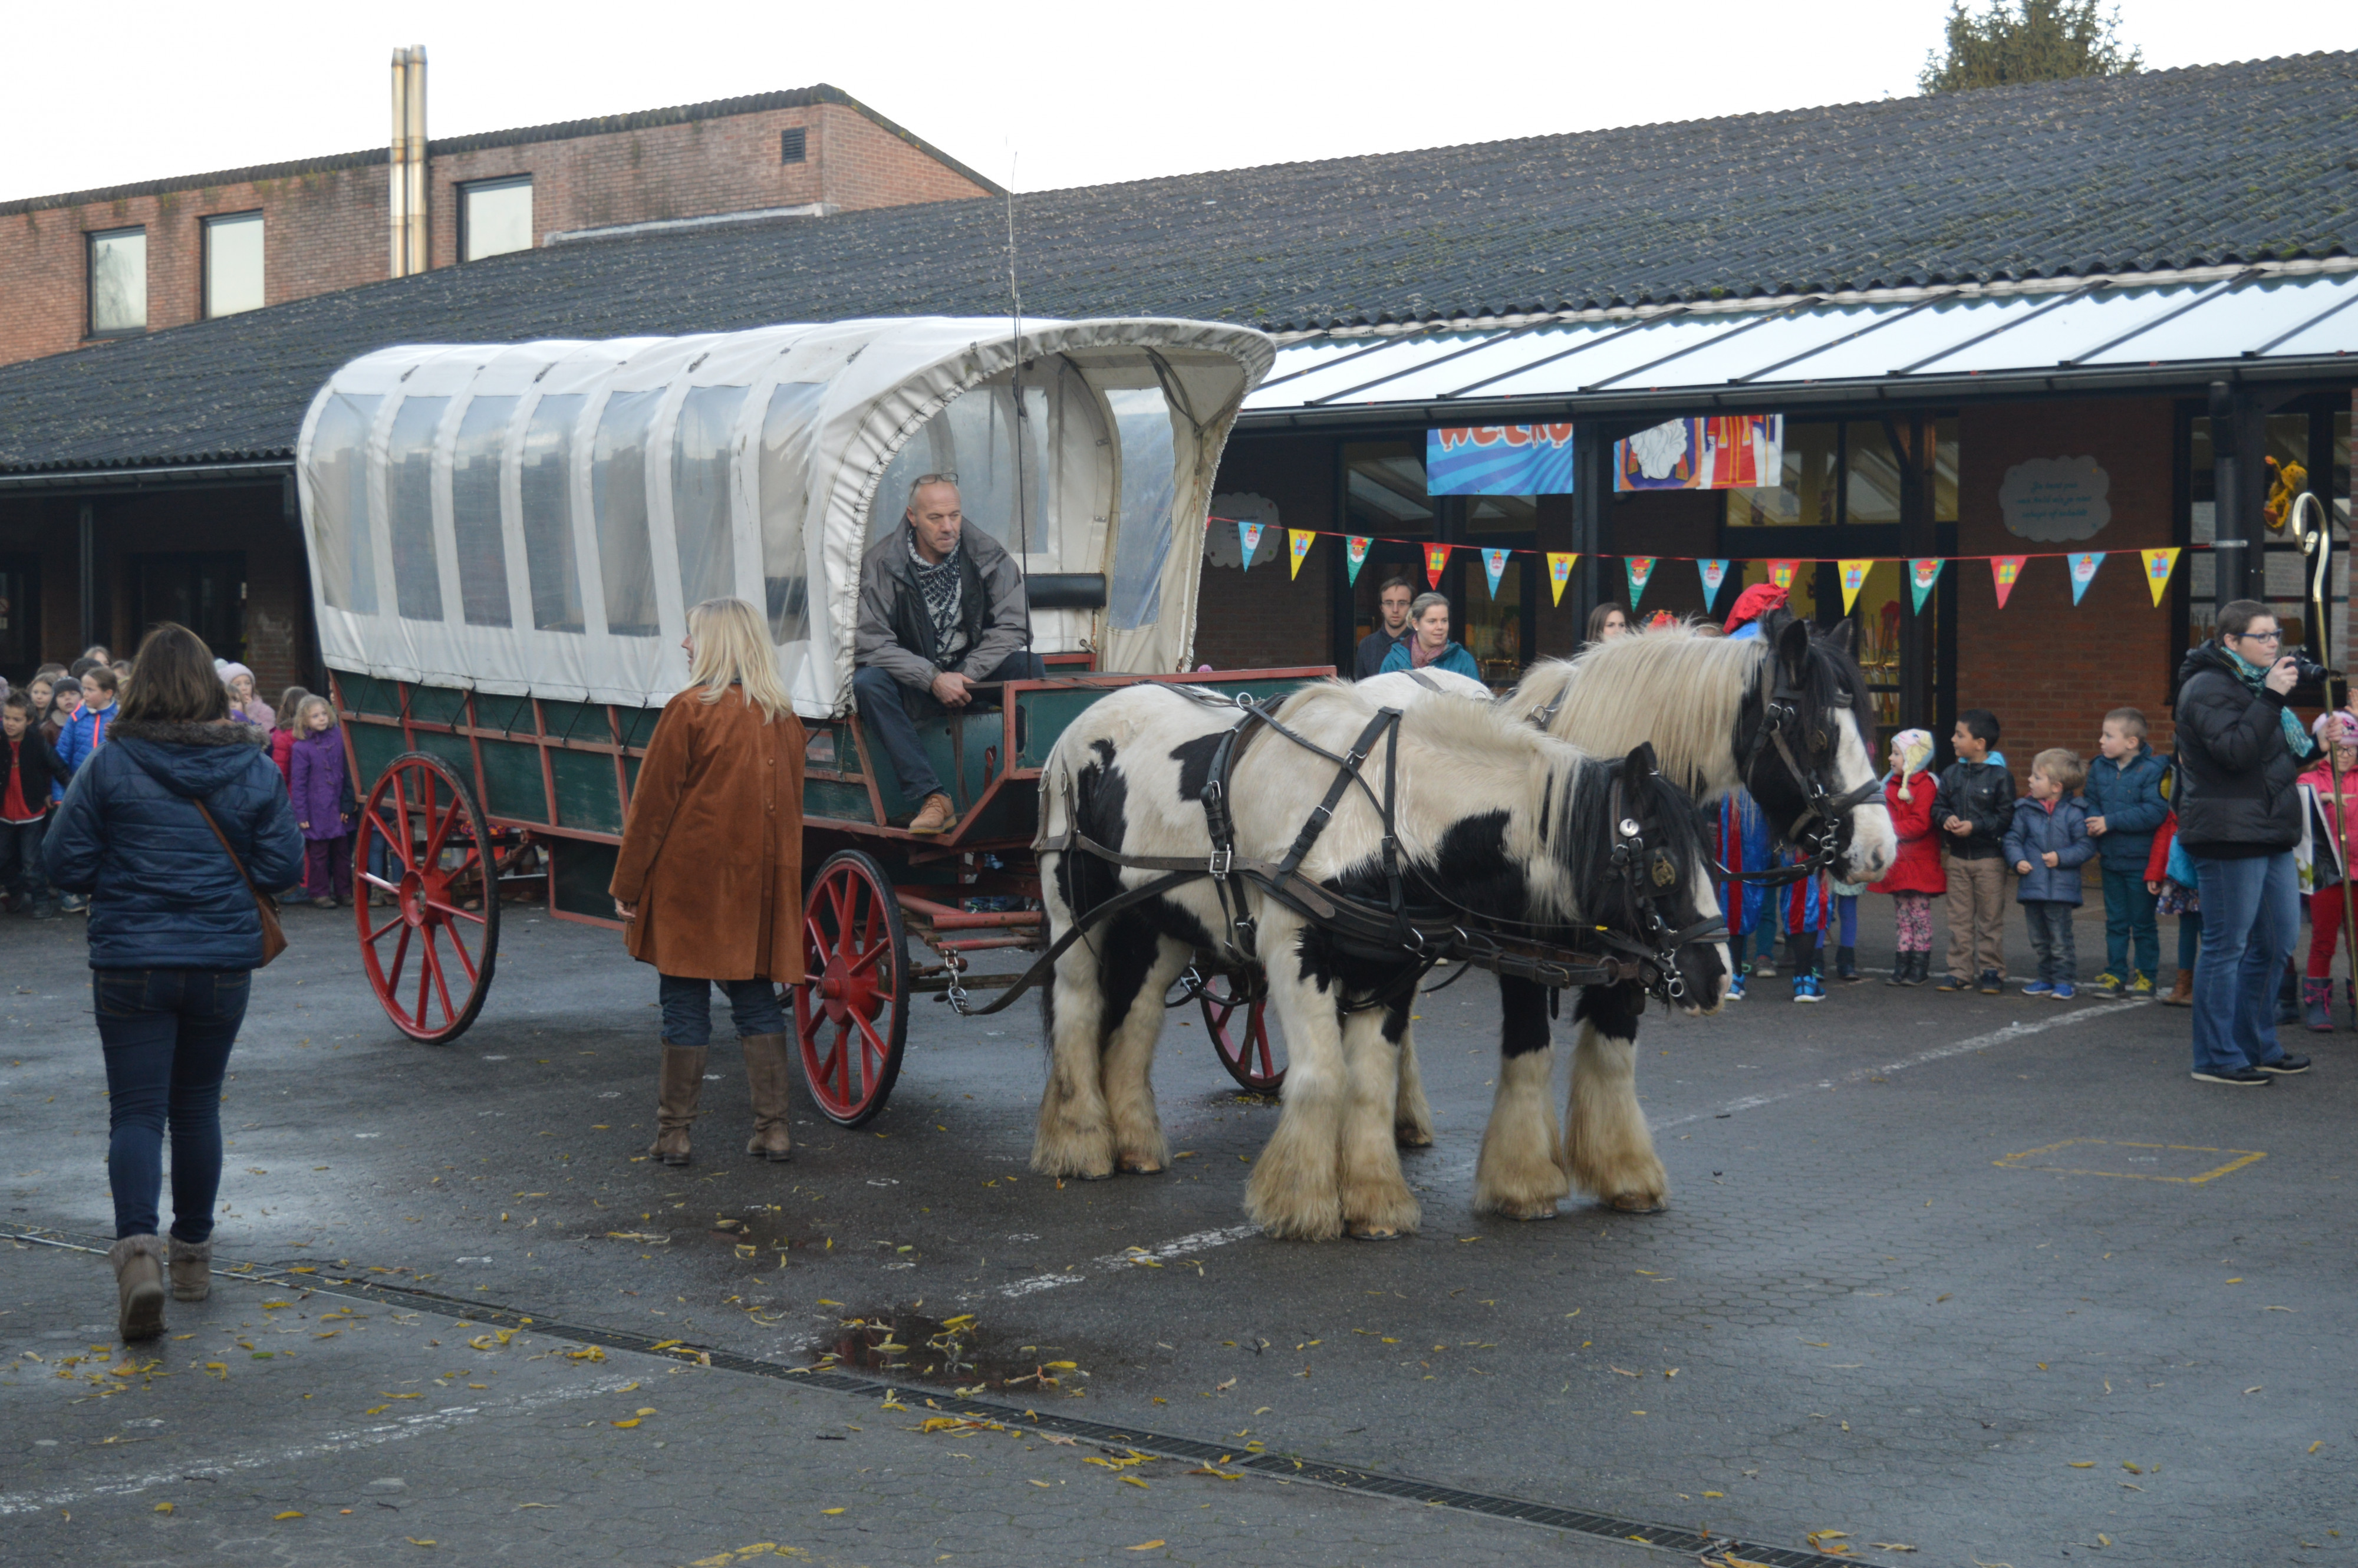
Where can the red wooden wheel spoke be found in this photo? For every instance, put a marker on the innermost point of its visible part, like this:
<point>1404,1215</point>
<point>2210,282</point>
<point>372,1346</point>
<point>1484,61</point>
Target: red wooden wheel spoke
<point>425,813</point>
<point>453,911</point>
<point>370,937</point>
<point>434,966</point>
<point>400,955</point>
<point>450,935</point>
<point>393,845</point>
<point>867,960</point>
<point>852,1014</point>
<point>437,835</point>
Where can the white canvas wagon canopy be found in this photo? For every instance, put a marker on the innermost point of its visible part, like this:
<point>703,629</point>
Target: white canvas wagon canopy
<point>538,517</point>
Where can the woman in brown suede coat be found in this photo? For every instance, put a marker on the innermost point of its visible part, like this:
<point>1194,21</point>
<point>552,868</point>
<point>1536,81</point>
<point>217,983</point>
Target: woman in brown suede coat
<point>709,875</point>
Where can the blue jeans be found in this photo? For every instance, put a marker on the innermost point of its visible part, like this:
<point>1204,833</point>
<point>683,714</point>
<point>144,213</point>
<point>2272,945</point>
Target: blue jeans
<point>2128,912</point>
<point>890,712</point>
<point>2052,939</point>
<point>1846,919</point>
<point>168,1035</point>
<point>21,873</point>
<point>2251,917</point>
<point>687,1009</point>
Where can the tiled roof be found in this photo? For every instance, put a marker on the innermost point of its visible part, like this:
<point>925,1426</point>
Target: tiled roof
<point>2166,170</point>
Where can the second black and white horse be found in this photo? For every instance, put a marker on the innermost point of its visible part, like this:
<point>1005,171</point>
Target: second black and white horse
<point>1490,815</point>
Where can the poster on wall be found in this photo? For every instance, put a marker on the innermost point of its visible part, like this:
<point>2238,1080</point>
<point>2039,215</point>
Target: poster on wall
<point>2055,500</point>
<point>1498,460</point>
<point>1733,451</point>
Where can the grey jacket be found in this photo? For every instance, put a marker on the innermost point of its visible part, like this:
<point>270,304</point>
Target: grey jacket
<point>895,631</point>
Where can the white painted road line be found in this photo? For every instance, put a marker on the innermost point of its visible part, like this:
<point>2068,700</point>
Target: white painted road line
<point>1922,1058</point>
<point>417,1426</point>
<point>1185,1246</point>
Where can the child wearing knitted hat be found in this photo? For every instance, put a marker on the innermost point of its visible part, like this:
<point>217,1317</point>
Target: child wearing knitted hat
<point>1916,877</point>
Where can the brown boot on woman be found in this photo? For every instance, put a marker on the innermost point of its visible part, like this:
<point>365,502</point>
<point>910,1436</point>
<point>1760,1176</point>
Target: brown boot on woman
<point>138,1286</point>
<point>681,1084</point>
<point>192,1270</point>
<point>2181,990</point>
<point>765,1082</point>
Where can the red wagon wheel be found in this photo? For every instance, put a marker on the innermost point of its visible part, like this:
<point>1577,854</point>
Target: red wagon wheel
<point>1247,1050</point>
<point>851,1012</point>
<point>429,958</point>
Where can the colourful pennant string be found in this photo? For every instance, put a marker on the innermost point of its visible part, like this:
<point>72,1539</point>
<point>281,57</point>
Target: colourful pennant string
<point>1436,561</point>
<point>1854,578</point>
<point>1249,534</point>
<point>1494,564</point>
<point>1923,571</point>
<point>1355,551</point>
<point>1713,573</point>
<point>2005,571</point>
<point>1642,571</point>
<point>1560,570</point>
<point>2158,565</point>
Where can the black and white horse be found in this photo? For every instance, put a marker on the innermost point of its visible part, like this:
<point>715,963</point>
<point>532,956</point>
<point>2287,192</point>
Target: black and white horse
<point>1490,815</point>
<point>1706,705</point>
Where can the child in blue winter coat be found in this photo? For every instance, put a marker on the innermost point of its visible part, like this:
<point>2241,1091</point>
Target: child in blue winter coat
<point>2125,806</point>
<point>2047,846</point>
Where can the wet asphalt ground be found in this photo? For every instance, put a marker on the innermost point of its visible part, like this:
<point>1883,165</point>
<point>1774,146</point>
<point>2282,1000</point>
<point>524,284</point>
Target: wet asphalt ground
<point>1985,1278</point>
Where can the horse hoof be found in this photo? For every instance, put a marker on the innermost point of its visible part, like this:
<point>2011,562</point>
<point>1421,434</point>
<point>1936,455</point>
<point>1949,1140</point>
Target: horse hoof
<point>1092,1176</point>
<point>1373,1233</point>
<point>1636,1203</point>
<point>1134,1167</point>
<point>1536,1211</point>
<point>1411,1137</point>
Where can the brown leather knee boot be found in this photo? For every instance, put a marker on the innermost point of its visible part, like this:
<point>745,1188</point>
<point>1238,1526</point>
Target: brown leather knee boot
<point>682,1082</point>
<point>765,1082</point>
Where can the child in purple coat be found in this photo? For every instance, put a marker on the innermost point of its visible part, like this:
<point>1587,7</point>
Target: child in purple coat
<point>319,787</point>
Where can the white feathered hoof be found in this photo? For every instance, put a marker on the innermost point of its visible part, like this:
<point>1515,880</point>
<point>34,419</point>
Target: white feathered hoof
<point>1065,1145</point>
<point>1376,1209</point>
<point>1520,1173</point>
<point>1637,1203</point>
<point>1292,1193</point>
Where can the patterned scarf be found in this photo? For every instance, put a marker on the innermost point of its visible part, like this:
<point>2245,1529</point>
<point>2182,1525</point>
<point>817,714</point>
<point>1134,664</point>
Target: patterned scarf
<point>2296,734</point>
<point>943,586</point>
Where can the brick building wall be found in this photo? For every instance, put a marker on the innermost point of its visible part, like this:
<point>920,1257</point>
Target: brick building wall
<point>2051,671</point>
<point>325,219</point>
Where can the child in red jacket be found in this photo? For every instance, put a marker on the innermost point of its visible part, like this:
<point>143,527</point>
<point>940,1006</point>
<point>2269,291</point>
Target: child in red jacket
<point>1916,877</point>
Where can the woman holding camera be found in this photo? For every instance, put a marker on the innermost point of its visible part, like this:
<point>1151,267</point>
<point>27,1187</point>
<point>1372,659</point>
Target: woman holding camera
<point>2239,751</point>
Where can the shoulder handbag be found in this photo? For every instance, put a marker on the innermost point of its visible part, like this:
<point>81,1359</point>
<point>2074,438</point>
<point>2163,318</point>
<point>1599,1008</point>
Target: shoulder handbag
<point>273,935</point>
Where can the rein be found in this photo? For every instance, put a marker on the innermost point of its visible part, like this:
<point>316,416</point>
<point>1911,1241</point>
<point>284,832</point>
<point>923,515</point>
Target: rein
<point>1819,825</point>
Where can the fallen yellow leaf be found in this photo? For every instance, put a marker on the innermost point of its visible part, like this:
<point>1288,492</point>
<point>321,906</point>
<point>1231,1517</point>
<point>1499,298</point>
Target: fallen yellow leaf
<point>1043,1486</point>
<point>1134,1481</point>
<point>2082,1463</point>
<point>2317,1445</point>
<point>830,1510</point>
<point>416,1541</point>
<point>633,1422</point>
<point>163,1507</point>
<point>2132,1469</point>
<point>290,1513</point>
<point>1143,1546</point>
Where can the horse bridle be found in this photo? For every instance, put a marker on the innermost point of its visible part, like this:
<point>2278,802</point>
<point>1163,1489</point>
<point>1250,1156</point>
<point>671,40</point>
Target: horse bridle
<point>1818,826</point>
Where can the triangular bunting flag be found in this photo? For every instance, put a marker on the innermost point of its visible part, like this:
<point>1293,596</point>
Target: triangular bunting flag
<point>1854,578</point>
<point>2083,572</point>
<point>1713,573</point>
<point>1249,534</point>
<point>1494,563</point>
<point>1560,570</point>
<point>1297,544</point>
<point>1641,571</point>
<point>2004,571</point>
<point>1781,572</point>
<point>1923,571</point>
<point>1355,551</point>
<point>2158,565</point>
<point>1436,561</point>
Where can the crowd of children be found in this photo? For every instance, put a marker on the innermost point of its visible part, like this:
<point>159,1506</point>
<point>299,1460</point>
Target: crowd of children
<point>1967,838</point>
<point>51,727</point>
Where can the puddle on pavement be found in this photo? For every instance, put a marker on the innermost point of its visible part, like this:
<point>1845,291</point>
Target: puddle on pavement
<point>953,1351</point>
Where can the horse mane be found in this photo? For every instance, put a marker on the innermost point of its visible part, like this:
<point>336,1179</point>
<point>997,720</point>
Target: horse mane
<point>1675,687</point>
<point>1586,815</point>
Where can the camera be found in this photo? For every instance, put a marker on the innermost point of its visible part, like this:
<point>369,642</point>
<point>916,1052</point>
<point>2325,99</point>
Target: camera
<point>2309,671</point>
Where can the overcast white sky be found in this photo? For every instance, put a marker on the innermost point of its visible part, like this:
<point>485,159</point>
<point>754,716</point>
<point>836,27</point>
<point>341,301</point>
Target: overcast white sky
<point>1081,94</point>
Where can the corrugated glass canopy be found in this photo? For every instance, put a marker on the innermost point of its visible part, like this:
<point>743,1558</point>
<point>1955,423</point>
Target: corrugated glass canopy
<point>1809,349</point>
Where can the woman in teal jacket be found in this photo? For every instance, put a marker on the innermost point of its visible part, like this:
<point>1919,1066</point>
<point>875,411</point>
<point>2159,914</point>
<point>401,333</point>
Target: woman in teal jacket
<point>1428,645</point>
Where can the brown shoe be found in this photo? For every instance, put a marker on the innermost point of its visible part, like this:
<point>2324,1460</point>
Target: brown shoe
<point>2181,990</point>
<point>682,1082</point>
<point>192,1270</point>
<point>937,815</point>
<point>765,1082</point>
<point>138,1286</point>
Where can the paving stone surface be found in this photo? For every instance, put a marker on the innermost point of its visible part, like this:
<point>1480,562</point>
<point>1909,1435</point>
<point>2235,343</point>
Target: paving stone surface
<point>1938,1271</point>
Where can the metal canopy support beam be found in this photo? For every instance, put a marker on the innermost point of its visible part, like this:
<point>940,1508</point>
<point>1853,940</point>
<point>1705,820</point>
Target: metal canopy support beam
<point>86,556</point>
<point>1592,493</point>
<point>2238,445</point>
<point>1916,440</point>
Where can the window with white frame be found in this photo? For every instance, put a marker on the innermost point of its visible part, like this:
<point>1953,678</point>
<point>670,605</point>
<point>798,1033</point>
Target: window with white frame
<point>494,217</point>
<point>232,264</point>
<point>118,281</point>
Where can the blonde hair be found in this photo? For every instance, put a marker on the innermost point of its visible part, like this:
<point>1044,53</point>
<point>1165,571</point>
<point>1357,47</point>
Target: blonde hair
<point>733,648</point>
<point>2063,767</point>
<point>303,711</point>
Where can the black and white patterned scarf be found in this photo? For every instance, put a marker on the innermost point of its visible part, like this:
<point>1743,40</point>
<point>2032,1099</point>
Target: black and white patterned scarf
<point>944,588</point>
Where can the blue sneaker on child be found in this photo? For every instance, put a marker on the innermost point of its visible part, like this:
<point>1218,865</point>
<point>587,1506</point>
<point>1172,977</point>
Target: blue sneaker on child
<point>2063,992</point>
<point>1808,988</point>
<point>2037,988</point>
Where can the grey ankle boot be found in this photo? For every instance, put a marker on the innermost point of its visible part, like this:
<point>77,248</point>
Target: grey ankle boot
<point>138,1286</point>
<point>192,1270</point>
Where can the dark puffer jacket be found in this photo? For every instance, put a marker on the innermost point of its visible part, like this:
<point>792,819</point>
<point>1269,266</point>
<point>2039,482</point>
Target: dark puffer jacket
<point>2039,832</point>
<point>163,895</point>
<point>2237,775</point>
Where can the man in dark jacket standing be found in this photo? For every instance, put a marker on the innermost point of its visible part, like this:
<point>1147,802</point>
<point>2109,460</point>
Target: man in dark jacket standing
<point>941,611</point>
<point>1392,602</point>
<point>2240,748</point>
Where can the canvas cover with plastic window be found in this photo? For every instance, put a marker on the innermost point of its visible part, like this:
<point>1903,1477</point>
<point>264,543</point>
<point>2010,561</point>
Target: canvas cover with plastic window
<point>537,518</point>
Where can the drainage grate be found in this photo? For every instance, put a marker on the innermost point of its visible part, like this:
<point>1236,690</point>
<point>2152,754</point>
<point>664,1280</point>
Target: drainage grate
<point>1283,1466</point>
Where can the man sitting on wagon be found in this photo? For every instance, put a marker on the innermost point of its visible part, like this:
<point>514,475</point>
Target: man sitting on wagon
<point>941,611</point>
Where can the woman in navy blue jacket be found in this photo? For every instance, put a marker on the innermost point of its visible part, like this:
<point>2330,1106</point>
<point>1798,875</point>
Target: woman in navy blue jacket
<point>174,936</point>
